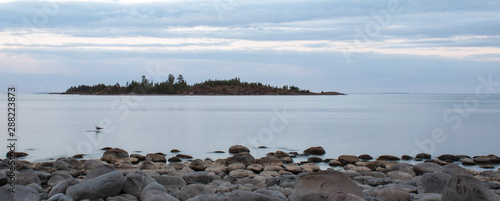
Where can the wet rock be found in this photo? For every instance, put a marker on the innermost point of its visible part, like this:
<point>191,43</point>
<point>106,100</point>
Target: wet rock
<point>423,156</point>
<point>158,195</point>
<point>98,171</point>
<point>452,169</point>
<point>122,197</point>
<point>314,159</point>
<point>183,156</point>
<point>269,160</point>
<point>334,163</point>
<point>194,190</point>
<point>107,185</point>
<point>315,150</point>
<point>320,185</point>
<point>309,167</point>
<point>348,159</point>
<point>147,165</point>
<point>205,197</point>
<point>241,173</point>
<point>138,156</point>
<point>60,197</point>
<point>465,187</point>
<point>434,182</point>
<point>388,158</point>
<point>494,158</point>
<point>468,161</point>
<point>236,166</point>
<point>400,175</point>
<point>57,177</point>
<point>448,157</point>
<point>16,154</point>
<point>406,157</point>
<point>422,168</point>
<point>156,158</point>
<point>238,149</point>
<point>293,168</point>
<point>25,177</point>
<point>116,152</point>
<point>481,159</point>
<point>199,165</point>
<point>174,159</point>
<point>175,151</point>
<point>256,168</point>
<point>365,157</point>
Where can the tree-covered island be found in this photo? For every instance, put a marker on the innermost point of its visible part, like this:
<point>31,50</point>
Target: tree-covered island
<point>179,86</point>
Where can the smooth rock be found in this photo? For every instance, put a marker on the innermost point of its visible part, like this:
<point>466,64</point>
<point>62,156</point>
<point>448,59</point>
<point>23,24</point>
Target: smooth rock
<point>405,167</point>
<point>25,177</point>
<point>315,150</point>
<point>434,182</point>
<point>22,193</point>
<point>205,197</point>
<point>135,182</point>
<point>348,159</point>
<point>236,166</point>
<point>388,158</point>
<point>423,156</point>
<point>467,161</point>
<point>394,193</point>
<point>406,157</point>
<point>62,186</point>
<point>57,177</point>
<point>238,149</point>
<point>493,158</point>
<point>60,197</point>
<point>199,177</point>
<point>269,160</point>
<point>315,159</point>
<point>481,159</point>
<point>174,160</point>
<point>238,195</point>
<point>400,175</point>
<point>426,167</point>
<point>170,181</point>
<point>151,186</point>
<point>453,169</point>
<point>107,185</point>
<point>241,173</point>
<point>365,157</point>
<point>122,197</point>
<point>335,163</point>
<point>242,157</point>
<point>157,195</point>
<point>309,167</point>
<point>293,168</point>
<point>342,196</point>
<point>256,168</point>
<point>320,185</point>
<point>156,158</point>
<point>199,165</point>
<point>465,187</point>
<point>147,165</point>
<point>194,190</point>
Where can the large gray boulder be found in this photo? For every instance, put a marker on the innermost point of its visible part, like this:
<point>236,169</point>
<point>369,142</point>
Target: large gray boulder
<point>205,197</point>
<point>453,169</point>
<point>170,181</point>
<point>320,185</point>
<point>107,185</point>
<point>98,171</point>
<point>341,196</point>
<point>62,186</point>
<point>151,186</point>
<point>394,193</point>
<point>60,197</point>
<point>57,177</point>
<point>194,190</point>
<point>135,182</point>
<point>23,193</point>
<point>466,187</point>
<point>200,177</point>
<point>157,195</point>
<point>425,167</point>
<point>434,182</point>
<point>238,149</point>
<point>25,177</point>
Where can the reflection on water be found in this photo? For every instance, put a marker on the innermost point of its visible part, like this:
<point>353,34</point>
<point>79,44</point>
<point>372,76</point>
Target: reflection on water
<point>50,126</point>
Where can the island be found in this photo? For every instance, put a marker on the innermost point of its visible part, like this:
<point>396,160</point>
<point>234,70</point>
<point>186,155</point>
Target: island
<point>179,86</point>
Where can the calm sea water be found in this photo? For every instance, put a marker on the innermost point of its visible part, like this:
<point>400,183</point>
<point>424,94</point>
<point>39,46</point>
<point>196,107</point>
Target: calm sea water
<point>51,126</point>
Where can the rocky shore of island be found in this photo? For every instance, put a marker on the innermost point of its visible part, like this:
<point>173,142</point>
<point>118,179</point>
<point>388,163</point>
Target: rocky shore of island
<point>120,176</point>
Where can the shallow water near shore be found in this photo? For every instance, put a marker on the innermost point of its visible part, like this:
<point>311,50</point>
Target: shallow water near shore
<point>52,126</point>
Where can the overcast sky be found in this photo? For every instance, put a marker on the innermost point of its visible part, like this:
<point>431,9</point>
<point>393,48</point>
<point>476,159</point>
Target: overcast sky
<point>350,46</point>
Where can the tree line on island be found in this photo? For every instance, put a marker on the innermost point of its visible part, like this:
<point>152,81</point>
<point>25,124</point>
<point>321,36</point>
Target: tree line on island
<point>179,86</point>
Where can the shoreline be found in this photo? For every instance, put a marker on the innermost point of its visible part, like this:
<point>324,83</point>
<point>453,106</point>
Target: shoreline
<point>277,176</point>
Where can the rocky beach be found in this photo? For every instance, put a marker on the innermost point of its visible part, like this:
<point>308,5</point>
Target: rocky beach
<point>120,176</point>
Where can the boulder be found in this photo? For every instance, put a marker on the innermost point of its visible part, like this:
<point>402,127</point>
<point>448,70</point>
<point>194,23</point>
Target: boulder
<point>236,166</point>
<point>107,185</point>
<point>89,165</point>
<point>315,150</point>
<point>238,195</point>
<point>151,186</point>
<point>157,158</point>
<point>194,190</point>
<point>365,157</point>
<point>62,186</point>
<point>135,182</point>
<point>60,197</point>
<point>205,197</point>
<point>467,161</point>
<point>423,156</point>
<point>466,187</point>
<point>184,156</point>
<point>434,182</point>
<point>147,165</point>
<point>6,195</point>
<point>406,157</point>
<point>256,168</point>
<point>481,159</point>
<point>170,181</point>
<point>200,177</point>
<point>394,193</point>
<point>240,173</point>
<point>122,197</point>
<point>320,185</point>
<point>405,167</point>
<point>174,160</point>
<point>448,157</point>
<point>494,158</point>
<point>25,177</point>
<point>242,157</point>
<point>422,168</point>
<point>388,158</point>
<point>452,169</point>
<point>238,149</point>
<point>157,195</point>
<point>199,165</point>
<point>342,196</point>
<point>293,168</point>
<point>400,175</point>
<point>269,160</point>
<point>57,177</point>
<point>138,156</point>
<point>98,171</point>
<point>348,159</point>
<point>314,159</point>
